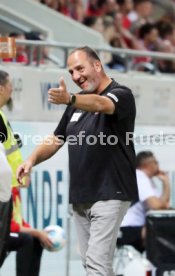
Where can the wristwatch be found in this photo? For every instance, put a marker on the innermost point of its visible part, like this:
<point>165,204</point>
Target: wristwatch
<point>72,99</point>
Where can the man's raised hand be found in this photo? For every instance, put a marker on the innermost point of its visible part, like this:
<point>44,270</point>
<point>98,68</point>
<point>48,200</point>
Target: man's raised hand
<point>59,95</point>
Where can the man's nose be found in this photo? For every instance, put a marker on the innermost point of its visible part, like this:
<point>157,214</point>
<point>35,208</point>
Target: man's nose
<point>76,76</point>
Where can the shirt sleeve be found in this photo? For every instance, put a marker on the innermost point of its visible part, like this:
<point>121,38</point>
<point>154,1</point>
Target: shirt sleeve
<point>145,187</point>
<point>3,131</point>
<point>123,100</point>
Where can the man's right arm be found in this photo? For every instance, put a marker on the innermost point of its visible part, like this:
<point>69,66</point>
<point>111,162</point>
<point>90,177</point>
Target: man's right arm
<point>47,149</point>
<point>162,202</point>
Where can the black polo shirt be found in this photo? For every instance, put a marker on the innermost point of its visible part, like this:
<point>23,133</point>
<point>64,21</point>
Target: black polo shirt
<point>101,158</point>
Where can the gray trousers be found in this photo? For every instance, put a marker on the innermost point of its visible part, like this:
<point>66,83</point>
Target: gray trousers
<point>97,227</point>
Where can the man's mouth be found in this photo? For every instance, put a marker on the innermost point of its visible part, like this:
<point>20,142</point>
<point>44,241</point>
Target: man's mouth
<point>82,83</point>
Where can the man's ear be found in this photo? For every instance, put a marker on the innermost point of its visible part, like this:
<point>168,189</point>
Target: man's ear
<point>98,66</point>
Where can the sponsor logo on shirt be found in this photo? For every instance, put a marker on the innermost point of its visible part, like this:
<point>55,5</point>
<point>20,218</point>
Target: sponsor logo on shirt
<point>113,97</point>
<point>75,117</point>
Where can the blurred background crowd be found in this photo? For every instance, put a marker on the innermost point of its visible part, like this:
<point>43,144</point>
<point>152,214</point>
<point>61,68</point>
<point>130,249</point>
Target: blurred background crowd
<point>127,24</point>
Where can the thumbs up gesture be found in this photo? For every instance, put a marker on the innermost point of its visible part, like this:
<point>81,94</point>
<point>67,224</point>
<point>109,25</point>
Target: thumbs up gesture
<point>59,95</point>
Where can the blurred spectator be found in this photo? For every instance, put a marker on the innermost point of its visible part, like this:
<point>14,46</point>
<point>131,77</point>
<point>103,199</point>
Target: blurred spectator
<point>167,45</point>
<point>108,34</point>
<point>109,29</point>
<point>142,14</point>
<point>118,42</point>
<point>148,35</point>
<point>150,198</point>
<point>117,61</point>
<point>92,8</point>
<point>128,38</point>
<point>107,7</point>
<point>63,7</point>
<point>126,6</point>
<point>167,34</point>
<point>37,36</point>
<point>95,23</point>
<point>143,9</point>
<point>105,26</point>
<point>77,10</point>
<point>21,54</point>
<point>148,41</point>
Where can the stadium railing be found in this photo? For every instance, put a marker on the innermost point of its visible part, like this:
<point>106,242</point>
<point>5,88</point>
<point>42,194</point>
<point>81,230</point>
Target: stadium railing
<point>65,48</point>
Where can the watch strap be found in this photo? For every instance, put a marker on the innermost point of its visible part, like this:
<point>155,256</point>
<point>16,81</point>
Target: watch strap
<point>72,98</point>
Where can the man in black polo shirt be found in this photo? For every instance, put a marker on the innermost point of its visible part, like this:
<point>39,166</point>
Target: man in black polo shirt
<point>98,125</point>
